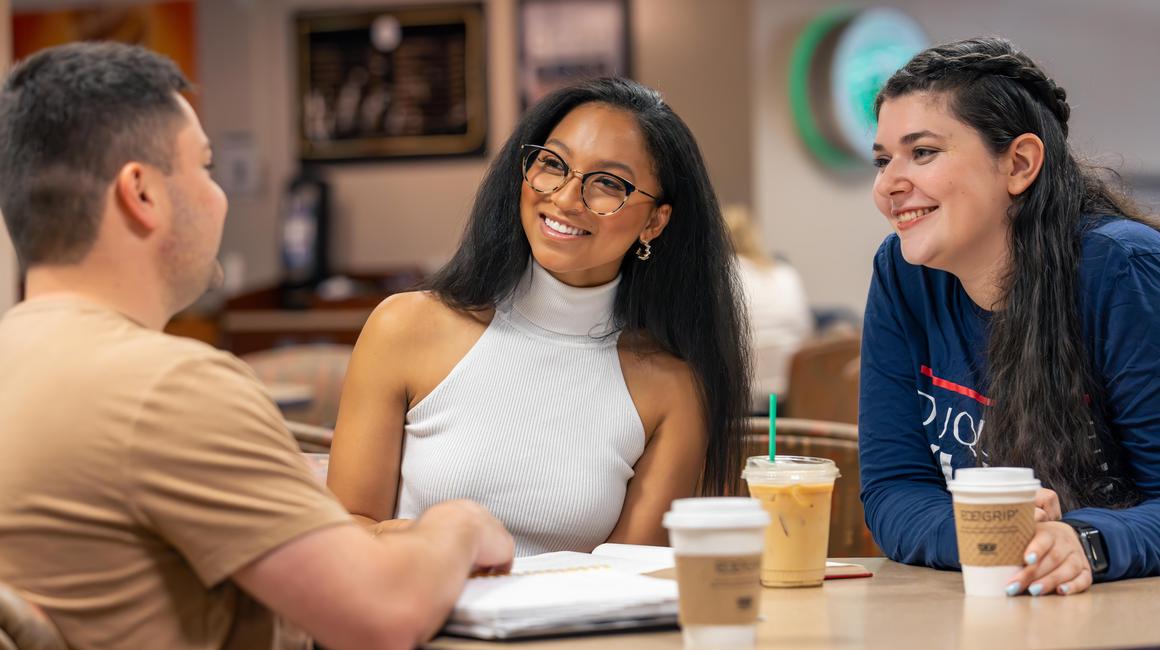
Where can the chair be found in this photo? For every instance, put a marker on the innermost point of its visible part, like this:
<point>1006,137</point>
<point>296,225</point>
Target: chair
<point>823,379</point>
<point>837,441</point>
<point>321,367</point>
<point>311,439</point>
<point>24,626</point>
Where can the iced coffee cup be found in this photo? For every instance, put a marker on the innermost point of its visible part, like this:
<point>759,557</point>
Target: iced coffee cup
<point>717,546</point>
<point>994,523</point>
<point>796,492</point>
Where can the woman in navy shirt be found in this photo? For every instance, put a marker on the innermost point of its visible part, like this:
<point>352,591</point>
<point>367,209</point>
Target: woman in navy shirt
<point>1013,320</point>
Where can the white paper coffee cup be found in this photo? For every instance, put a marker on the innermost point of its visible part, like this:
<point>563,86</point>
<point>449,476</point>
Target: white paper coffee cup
<point>994,523</point>
<point>717,543</point>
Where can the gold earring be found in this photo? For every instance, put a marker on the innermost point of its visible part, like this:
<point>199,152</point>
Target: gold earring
<point>643,251</point>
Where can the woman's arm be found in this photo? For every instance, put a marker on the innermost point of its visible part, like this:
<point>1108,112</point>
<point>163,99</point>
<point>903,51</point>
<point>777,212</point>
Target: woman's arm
<point>668,400</point>
<point>408,346</point>
<point>367,447</point>
<point>1124,330</point>
<point>903,491</point>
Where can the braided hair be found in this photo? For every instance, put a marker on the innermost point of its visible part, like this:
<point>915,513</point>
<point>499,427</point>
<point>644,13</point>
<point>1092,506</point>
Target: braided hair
<point>1049,411</point>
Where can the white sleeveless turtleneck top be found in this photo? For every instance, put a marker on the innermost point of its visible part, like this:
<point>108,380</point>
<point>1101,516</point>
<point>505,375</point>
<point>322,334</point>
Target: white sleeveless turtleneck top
<point>535,422</point>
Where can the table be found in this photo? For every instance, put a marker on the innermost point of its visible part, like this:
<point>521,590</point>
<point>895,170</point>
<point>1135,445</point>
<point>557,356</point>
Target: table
<point>288,395</point>
<point>905,607</point>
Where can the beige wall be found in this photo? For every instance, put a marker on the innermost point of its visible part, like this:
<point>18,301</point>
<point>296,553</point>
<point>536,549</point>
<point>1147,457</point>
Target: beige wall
<point>696,52</point>
<point>384,213</point>
<point>412,212</point>
<point>823,222</point>
<point>8,274</point>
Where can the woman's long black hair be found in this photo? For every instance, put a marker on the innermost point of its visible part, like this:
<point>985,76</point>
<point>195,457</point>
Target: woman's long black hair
<point>684,298</point>
<point>1048,412</point>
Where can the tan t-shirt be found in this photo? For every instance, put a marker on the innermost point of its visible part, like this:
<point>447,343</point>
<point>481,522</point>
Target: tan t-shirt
<point>138,472</point>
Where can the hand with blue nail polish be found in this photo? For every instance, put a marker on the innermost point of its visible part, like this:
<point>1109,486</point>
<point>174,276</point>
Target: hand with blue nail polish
<point>1014,588</point>
<point>1054,560</point>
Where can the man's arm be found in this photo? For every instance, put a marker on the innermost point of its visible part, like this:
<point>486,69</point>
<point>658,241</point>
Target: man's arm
<point>214,474</point>
<point>349,590</point>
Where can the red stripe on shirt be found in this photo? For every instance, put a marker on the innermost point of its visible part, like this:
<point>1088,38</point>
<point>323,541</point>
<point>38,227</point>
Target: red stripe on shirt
<point>960,389</point>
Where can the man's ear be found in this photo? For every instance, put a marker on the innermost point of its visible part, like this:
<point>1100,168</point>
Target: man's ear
<point>657,222</point>
<point>1025,160</point>
<point>137,190</point>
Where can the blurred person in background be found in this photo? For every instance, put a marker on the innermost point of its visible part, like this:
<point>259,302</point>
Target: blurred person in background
<point>150,494</point>
<point>581,358</point>
<point>1020,292</point>
<point>779,314</point>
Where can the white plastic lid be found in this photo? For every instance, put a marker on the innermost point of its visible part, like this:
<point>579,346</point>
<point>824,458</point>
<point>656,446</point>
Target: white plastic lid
<point>716,513</point>
<point>786,470</point>
<point>993,480</point>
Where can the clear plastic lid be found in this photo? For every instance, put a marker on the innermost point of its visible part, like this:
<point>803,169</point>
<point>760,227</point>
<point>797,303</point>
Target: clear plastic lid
<point>993,479</point>
<point>716,512</point>
<point>789,469</point>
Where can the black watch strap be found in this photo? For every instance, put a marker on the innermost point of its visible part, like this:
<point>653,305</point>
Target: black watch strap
<point>1093,547</point>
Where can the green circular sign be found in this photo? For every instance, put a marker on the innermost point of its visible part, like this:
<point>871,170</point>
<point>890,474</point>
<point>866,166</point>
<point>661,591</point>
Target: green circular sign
<point>840,62</point>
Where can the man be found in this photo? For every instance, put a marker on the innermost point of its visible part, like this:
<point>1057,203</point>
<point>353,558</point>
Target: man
<point>149,491</point>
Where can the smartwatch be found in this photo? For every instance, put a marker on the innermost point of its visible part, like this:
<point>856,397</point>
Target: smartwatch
<point>1093,547</point>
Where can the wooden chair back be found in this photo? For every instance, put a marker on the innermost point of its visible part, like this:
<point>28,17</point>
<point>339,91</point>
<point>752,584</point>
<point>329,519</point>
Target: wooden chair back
<point>837,441</point>
<point>823,379</point>
<point>321,366</point>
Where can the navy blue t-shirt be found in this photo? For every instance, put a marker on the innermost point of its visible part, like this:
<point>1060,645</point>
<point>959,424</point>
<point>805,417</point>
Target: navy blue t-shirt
<point>923,394</point>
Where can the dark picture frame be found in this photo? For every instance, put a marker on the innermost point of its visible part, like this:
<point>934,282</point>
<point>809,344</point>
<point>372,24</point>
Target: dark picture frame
<point>564,41</point>
<point>391,82</point>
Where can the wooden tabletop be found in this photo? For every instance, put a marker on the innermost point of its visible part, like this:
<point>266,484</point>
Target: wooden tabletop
<point>905,607</point>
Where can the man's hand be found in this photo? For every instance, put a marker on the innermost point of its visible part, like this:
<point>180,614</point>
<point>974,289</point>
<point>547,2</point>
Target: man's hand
<point>495,548</point>
<point>390,526</point>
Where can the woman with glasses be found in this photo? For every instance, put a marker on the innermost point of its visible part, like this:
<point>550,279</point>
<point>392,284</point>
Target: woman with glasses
<point>580,362</point>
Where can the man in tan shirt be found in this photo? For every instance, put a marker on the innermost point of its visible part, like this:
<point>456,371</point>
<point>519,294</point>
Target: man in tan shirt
<point>150,495</point>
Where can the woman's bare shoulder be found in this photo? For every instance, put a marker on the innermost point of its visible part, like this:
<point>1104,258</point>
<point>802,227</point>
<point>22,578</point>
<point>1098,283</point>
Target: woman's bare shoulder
<point>643,359</point>
<point>414,316</point>
<point>662,385</point>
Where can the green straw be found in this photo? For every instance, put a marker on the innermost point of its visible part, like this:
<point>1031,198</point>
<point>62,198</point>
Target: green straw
<point>772,426</point>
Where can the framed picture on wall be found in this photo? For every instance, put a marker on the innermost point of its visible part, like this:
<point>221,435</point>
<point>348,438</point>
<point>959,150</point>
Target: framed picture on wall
<point>562,41</point>
<point>393,82</point>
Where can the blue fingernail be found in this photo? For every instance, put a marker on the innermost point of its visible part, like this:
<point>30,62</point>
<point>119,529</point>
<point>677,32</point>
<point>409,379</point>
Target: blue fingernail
<point>1035,589</point>
<point>1013,588</point>
<point>1065,588</point>
<point>1030,558</point>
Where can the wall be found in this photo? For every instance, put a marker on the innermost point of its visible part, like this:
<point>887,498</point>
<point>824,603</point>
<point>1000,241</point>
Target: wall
<point>384,213</point>
<point>412,212</point>
<point>1103,53</point>
<point>8,274</point>
<point>695,52</point>
<point>721,65</point>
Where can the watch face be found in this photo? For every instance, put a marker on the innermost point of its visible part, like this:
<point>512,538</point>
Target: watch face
<point>1093,548</point>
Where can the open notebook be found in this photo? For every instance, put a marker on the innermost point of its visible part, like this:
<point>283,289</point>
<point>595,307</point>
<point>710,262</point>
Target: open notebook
<point>561,593</point>
<point>566,592</point>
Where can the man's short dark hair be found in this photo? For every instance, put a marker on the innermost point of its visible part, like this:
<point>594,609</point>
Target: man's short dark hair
<point>70,118</point>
